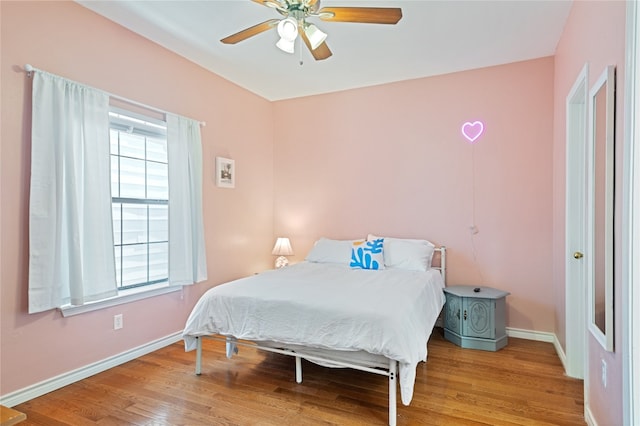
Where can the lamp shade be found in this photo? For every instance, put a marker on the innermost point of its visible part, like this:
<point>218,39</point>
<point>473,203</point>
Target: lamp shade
<point>282,247</point>
<point>314,35</point>
<point>288,31</point>
<point>286,45</point>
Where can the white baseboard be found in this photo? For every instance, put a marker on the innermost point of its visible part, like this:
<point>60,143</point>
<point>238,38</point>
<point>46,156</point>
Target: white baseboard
<point>561,354</point>
<point>540,336</point>
<point>46,386</point>
<point>588,417</point>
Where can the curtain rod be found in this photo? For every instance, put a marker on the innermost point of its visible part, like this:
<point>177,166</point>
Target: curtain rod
<point>30,69</point>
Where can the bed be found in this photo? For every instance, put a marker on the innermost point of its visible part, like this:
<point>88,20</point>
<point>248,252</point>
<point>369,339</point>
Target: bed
<point>364,304</point>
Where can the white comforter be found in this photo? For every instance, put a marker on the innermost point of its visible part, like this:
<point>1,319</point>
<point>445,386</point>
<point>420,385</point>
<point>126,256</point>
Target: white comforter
<point>390,312</point>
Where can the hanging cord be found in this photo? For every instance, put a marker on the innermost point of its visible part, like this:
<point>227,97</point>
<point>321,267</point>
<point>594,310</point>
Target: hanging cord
<point>300,50</point>
<point>473,230</point>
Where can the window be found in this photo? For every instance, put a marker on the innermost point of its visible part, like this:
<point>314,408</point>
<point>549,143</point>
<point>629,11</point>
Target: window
<point>159,241</point>
<point>140,197</point>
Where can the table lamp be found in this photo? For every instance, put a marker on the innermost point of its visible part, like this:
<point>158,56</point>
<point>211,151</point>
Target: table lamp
<point>282,249</point>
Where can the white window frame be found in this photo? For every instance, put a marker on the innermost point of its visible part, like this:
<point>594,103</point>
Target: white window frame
<point>121,120</point>
<point>127,295</point>
<point>124,296</point>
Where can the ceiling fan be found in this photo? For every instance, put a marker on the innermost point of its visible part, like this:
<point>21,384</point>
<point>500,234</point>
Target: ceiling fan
<point>294,23</point>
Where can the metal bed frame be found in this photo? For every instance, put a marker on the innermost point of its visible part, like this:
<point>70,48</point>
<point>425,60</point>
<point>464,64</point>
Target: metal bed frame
<point>385,366</point>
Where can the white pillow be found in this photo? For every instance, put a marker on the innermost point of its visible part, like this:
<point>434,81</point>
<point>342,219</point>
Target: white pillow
<point>330,251</point>
<point>404,253</point>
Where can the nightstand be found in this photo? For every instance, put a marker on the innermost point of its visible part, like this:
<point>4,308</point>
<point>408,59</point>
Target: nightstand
<point>475,320</point>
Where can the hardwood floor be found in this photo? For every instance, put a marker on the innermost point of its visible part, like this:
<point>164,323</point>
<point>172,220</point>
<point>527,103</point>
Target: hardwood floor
<point>522,384</point>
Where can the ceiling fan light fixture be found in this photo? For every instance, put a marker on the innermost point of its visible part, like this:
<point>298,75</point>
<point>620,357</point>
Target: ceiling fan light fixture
<point>286,45</point>
<point>288,31</point>
<point>294,22</point>
<point>315,36</point>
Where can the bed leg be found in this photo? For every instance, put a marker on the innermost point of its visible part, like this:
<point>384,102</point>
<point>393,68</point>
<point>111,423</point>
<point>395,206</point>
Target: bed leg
<point>393,373</point>
<point>231,347</point>
<point>298,370</point>
<point>198,356</point>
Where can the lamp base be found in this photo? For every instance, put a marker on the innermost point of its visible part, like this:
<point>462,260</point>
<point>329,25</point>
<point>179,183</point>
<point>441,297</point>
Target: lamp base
<point>281,262</point>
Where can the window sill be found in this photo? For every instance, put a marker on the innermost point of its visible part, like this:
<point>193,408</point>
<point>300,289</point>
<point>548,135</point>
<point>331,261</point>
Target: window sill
<point>125,296</point>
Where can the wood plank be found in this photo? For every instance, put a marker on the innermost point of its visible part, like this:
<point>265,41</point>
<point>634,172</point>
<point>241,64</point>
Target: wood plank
<point>10,417</point>
<point>522,384</point>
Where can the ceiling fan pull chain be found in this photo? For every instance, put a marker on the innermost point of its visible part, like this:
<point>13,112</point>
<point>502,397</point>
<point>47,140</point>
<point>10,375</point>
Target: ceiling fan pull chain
<point>300,50</point>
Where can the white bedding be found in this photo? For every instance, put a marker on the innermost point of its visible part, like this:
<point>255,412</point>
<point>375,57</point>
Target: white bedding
<point>388,312</point>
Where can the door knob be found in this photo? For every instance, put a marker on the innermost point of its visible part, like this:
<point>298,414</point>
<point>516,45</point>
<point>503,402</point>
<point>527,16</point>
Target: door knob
<point>578,255</point>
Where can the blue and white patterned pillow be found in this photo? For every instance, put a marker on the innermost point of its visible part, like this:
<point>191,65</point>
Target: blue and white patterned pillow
<point>367,254</point>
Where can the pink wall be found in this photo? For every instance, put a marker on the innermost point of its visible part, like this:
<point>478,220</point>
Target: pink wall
<point>594,34</point>
<point>387,160</point>
<point>69,40</point>
<point>391,160</point>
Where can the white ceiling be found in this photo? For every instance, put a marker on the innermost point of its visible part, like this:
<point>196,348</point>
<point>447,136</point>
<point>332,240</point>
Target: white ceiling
<point>432,38</point>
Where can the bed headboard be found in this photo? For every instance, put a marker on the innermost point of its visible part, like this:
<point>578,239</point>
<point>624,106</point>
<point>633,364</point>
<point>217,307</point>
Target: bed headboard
<point>442,265</point>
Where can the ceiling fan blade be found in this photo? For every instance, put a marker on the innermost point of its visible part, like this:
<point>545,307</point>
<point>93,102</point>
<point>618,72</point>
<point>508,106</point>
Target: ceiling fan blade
<point>250,32</point>
<point>319,53</point>
<point>368,15</point>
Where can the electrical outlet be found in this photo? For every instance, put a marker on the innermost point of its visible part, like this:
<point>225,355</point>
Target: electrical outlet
<point>604,373</point>
<point>117,322</point>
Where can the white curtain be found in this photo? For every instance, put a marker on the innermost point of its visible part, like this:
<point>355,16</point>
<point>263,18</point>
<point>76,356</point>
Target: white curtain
<point>187,259</point>
<point>71,258</point>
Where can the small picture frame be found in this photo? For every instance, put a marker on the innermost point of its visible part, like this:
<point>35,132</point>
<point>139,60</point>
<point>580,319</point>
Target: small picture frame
<point>225,172</point>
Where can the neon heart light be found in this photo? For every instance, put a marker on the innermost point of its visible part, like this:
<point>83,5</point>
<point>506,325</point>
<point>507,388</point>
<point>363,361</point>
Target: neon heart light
<point>472,131</point>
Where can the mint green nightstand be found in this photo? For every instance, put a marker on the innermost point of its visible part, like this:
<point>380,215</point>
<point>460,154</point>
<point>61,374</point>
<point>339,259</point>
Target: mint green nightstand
<point>475,320</point>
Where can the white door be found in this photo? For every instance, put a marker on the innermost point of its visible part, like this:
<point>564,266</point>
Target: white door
<point>576,227</point>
